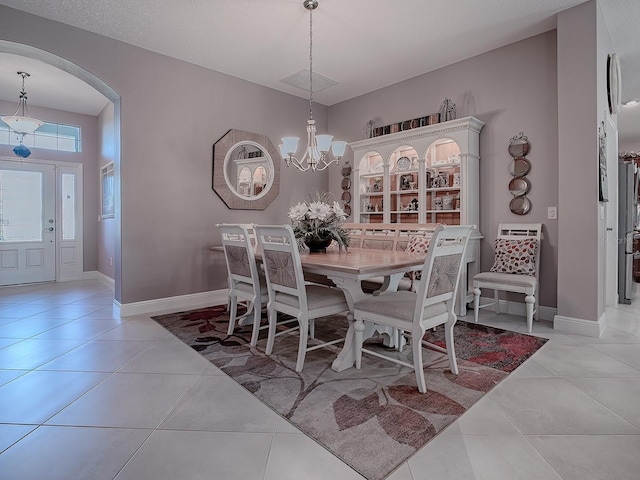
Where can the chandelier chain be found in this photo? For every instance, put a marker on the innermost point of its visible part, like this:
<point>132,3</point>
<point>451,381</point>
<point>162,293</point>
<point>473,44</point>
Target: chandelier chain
<point>315,156</point>
<point>310,64</point>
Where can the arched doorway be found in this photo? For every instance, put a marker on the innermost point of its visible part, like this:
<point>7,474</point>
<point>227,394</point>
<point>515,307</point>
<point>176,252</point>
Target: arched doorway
<point>105,90</point>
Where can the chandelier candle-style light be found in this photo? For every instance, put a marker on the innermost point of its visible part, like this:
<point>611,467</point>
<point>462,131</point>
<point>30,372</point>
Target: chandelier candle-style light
<point>315,157</point>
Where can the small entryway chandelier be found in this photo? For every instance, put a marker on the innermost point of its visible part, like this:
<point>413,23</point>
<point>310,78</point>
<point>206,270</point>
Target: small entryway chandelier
<point>315,157</point>
<point>20,122</point>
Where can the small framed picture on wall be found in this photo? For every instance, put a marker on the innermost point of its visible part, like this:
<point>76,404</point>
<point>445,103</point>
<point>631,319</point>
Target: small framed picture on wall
<point>107,191</point>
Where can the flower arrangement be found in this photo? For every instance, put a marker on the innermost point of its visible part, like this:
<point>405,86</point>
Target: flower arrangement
<point>318,220</point>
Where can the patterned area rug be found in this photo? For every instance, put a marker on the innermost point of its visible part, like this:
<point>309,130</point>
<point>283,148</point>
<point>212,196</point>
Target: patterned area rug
<point>373,419</point>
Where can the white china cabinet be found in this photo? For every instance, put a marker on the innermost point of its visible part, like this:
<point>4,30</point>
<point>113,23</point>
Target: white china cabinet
<point>424,175</point>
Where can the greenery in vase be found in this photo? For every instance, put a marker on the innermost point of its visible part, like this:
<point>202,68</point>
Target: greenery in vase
<point>317,219</point>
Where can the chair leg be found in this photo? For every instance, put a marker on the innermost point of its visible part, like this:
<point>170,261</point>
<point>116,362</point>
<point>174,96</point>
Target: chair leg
<point>358,338</point>
<point>496,296</point>
<point>416,343</point>
<point>233,310</point>
<point>257,313</point>
<point>451,349</point>
<point>273,319</point>
<point>312,328</point>
<point>302,346</point>
<point>530,300</point>
<point>476,303</point>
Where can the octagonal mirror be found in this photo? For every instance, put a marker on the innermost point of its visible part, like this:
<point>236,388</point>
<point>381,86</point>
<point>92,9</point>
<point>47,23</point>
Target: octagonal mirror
<point>245,175</point>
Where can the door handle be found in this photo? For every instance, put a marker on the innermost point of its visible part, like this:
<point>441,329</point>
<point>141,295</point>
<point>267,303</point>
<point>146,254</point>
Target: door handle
<point>50,229</point>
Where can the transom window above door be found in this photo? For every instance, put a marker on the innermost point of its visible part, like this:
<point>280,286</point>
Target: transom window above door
<point>50,136</point>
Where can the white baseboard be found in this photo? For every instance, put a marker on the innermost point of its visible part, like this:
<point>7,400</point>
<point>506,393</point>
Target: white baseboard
<point>102,278</point>
<point>580,326</point>
<point>93,275</point>
<point>519,308</point>
<point>181,302</point>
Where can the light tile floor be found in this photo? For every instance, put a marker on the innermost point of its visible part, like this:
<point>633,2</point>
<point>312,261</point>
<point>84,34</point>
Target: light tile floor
<point>85,394</point>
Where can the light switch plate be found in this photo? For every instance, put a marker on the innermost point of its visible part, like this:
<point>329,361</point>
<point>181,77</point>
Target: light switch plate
<point>552,213</point>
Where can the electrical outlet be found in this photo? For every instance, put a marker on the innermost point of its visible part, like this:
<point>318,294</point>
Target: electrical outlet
<point>552,213</point>
<point>111,261</point>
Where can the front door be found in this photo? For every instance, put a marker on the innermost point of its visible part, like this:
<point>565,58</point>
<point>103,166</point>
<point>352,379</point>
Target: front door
<point>27,223</point>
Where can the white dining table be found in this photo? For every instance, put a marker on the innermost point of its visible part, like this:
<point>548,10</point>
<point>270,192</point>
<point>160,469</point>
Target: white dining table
<point>347,269</point>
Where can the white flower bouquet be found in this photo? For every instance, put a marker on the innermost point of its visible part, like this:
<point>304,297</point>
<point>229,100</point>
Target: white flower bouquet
<point>317,221</point>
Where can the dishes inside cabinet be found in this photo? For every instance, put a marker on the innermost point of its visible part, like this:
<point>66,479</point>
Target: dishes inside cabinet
<point>376,166</point>
<point>403,163</point>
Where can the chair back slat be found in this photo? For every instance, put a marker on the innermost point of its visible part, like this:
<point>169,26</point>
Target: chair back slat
<point>442,267</point>
<point>239,256</point>
<point>444,275</point>
<point>280,267</point>
<point>283,269</point>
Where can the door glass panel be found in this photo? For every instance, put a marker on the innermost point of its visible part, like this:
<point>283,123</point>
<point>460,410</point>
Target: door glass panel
<point>68,206</point>
<point>20,206</point>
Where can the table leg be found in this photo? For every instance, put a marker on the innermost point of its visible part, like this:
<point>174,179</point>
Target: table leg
<point>353,292</point>
<point>247,317</point>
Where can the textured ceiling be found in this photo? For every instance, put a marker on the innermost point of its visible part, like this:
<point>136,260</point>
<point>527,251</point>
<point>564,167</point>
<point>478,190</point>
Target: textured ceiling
<point>361,44</point>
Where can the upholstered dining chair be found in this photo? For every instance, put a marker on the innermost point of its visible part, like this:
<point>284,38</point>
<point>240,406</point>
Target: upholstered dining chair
<point>288,292</point>
<point>516,268</point>
<point>431,305</point>
<point>246,281</point>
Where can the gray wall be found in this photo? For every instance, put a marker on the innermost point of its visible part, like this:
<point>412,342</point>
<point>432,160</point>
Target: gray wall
<point>512,89</point>
<point>583,44</point>
<point>88,158</point>
<point>171,113</point>
<point>169,212</point>
<point>629,147</point>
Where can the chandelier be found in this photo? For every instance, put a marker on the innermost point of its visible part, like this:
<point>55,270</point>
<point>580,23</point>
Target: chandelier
<point>22,124</point>
<point>315,157</point>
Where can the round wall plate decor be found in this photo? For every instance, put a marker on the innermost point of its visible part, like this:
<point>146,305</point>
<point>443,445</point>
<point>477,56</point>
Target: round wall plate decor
<point>346,183</point>
<point>519,146</point>
<point>519,186</point>
<point>520,205</point>
<point>346,197</point>
<point>519,167</point>
<point>614,91</point>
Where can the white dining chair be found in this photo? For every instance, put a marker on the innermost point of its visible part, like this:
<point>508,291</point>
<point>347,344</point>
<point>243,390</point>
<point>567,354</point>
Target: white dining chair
<point>288,292</point>
<point>246,281</point>
<point>516,268</point>
<point>416,312</point>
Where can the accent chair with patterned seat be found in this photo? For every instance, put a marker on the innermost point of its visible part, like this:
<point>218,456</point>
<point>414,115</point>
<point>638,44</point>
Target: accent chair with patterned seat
<point>431,305</point>
<point>288,292</point>
<point>516,268</point>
